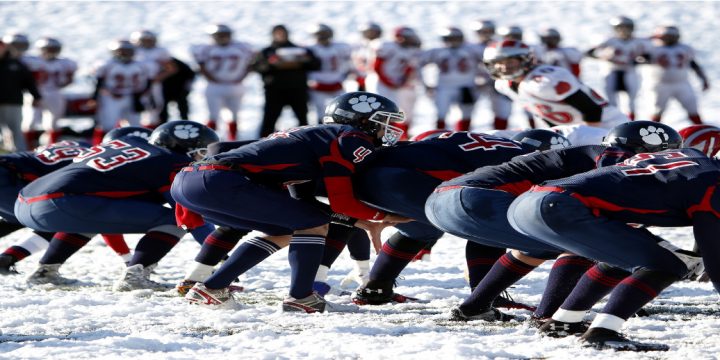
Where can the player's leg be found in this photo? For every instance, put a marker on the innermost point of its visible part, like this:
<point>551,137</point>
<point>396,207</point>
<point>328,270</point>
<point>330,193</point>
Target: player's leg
<point>56,105</point>
<point>298,101</point>
<point>337,238</point>
<point>632,85</point>
<point>501,107</point>
<point>613,82</point>
<point>443,98</point>
<point>466,100</point>
<point>687,98</point>
<point>274,103</point>
<point>661,94</point>
<point>213,93</point>
<point>233,101</point>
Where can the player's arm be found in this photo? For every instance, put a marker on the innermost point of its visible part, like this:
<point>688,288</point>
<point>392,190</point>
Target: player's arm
<point>700,73</point>
<point>591,110</point>
<point>706,226</point>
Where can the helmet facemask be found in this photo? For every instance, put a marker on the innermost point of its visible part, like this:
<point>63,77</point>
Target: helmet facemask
<point>383,119</point>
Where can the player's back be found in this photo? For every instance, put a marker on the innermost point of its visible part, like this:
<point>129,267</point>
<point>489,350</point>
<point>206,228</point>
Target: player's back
<point>649,188</point>
<point>44,160</point>
<point>125,167</point>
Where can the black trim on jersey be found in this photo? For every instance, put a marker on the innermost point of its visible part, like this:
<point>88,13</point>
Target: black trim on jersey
<point>592,111</point>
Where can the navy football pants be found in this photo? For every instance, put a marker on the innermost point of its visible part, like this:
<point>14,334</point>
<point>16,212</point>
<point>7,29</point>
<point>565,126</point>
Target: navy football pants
<point>229,198</point>
<point>563,221</point>
<point>480,215</point>
<point>10,186</point>
<point>88,214</point>
<point>403,192</point>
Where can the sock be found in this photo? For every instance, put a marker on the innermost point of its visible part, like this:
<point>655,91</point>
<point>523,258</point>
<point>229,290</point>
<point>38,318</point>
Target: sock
<point>97,136</point>
<point>396,254</point>
<point>593,286</point>
<point>62,246</point>
<point>203,231</point>
<point>480,259</point>
<point>245,257</point>
<point>152,247</point>
<point>359,245</point>
<point>53,136</point>
<point>199,272</point>
<point>462,125</point>
<point>218,244</point>
<point>440,124</point>
<point>656,117</point>
<point>637,290</point>
<point>304,255</point>
<point>500,123</point>
<point>695,118</point>
<point>211,124</point>
<point>631,115</point>
<point>33,243</point>
<point>505,272</point>
<point>563,276</point>
<point>7,227</point>
<point>337,238</point>
<point>117,243</point>
<point>232,131</point>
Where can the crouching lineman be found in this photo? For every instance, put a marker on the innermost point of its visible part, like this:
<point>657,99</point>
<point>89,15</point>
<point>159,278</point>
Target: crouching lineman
<point>116,187</point>
<point>475,205</point>
<point>246,188</point>
<point>588,214</point>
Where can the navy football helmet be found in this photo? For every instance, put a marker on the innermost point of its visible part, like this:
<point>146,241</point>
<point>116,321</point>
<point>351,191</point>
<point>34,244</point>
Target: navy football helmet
<point>643,136</point>
<point>542,139</point>
<point>370,113</point>
<point>184,136</point>
<point>138,131</point>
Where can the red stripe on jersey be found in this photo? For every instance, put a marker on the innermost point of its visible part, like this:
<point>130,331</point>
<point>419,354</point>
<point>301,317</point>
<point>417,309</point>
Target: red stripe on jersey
<point>596,204</point>
<point>705,204</point>
<point>33,199</point>
<point>342,199</point>
<point>336,157</point>
<point>516,188</point>
<point>260,168</point>
<point>443,175</point>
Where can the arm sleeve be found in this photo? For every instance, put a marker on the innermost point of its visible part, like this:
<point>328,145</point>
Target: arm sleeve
<point>591,110</point>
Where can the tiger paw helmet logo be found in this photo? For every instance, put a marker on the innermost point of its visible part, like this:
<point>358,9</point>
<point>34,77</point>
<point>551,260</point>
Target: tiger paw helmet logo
<point>186,131</point>
<point>559,143</point>
<point>364,104</point>
<point>654,135</point>
<point>140,134</point>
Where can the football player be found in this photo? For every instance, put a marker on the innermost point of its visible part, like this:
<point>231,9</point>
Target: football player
<point>117,187</point>
<point>52,74</point>
<point>550,93</point>
<point>618,55</point>
<point>668,78</point>
<point>121,84</point>
<point>335,65</point>
<point>261,172</point>
<point>147,49</point>
<point>589,214</point>
<point>474,206</point>
<point>224,64</point>
<point>551,53</point>
<point>371,33</point>
<point>457,65</point>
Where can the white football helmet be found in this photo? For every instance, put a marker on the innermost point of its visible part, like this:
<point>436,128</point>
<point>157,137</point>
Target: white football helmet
<point>496,54</point>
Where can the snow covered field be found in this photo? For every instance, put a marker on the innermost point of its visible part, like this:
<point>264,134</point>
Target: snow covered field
<point>92,322</point>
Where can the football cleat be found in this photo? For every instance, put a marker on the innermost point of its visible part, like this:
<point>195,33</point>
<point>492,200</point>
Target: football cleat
<point>48,274</point>
<point>136,277</point>
<point>507,302</point>
<point>491,314</point>
<point>601,338</point>
<point>201,295</point>
<point>184,286</point>
<point>314,303</point>
<point>558,329</point>
<point>374,293</point>
<point>7,265</point>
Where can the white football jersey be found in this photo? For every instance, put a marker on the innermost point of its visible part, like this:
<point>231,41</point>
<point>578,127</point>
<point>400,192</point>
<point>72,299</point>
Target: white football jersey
<point>543,90</point>
<point>620,54</point>
<point>227,64</point>
<point>336,64</point>
<point>52,75</point>
<point>396,63</point>
<point>456,66</point>
<point>157,55</point>
<point>361,55</point>
<point>126,78</point>
<point>566,57</point>
<point>670,63</point>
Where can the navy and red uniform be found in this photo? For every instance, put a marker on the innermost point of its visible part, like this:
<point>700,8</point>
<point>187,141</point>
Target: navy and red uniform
<point>668,188</point>
<point>474,206</point>
<point>246,187</point>
<point>402,177</point>
<point>116,187</point>
<point>20,168</point>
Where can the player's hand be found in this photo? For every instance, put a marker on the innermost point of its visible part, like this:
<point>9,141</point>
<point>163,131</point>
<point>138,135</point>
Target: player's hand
<point>374,230</point>
<point>393,219</point>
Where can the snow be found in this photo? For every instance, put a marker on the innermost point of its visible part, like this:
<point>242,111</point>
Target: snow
<point>92,322</point>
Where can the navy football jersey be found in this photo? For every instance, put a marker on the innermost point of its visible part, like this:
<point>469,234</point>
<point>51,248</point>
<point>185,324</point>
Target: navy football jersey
<point>126,167</point>
<point>659,189</point>
<point>327,154</point>
<point>522,172</point>
<point>452,154</point>
<point>31,165</point>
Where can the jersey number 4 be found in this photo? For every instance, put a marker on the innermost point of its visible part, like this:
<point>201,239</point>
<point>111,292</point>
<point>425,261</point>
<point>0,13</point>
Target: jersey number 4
<point>653,168</point>
<point>100,161</point>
